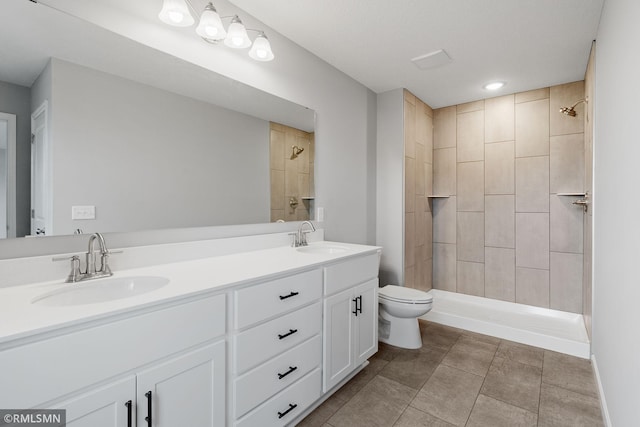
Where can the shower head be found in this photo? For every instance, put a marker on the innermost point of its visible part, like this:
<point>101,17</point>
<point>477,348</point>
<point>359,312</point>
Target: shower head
<point>570,111</point>
<point>296,151</point>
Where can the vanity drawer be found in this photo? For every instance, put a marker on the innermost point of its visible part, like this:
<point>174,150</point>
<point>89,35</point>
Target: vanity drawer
<point>294,399</point>
<point>34,373</point>
<point>266,300</point>
<point>259,384</point>
<point>261,343</point>
<point>350,273</point>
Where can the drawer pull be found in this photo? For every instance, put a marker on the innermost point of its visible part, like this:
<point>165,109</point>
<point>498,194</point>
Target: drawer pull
<point>292,294</point>
<point>292,406</point>
<point>149,408</point>
<point>129,405</point>
<point>291,369</point>
<point>291,332</point>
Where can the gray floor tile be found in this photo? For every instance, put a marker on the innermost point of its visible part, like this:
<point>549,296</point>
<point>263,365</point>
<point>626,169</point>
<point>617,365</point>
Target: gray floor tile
<point>488,412</point>
<point>523,386</point>
<point>412,417</point>
<point>560,407</point>
<point>379,403</point>
<point>571,373</point>
<point>470,355</point>
<point>413,368</point>
<point>514,383</point>
<point>322,413</point>
<point>439,336</point>
<point>388,352</point>
<point>521,353</point>
<point>361,379</point>
<point>449,394</point>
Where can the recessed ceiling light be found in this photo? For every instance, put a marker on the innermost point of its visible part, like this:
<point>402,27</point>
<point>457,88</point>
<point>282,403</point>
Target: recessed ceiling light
<point>493,85</point>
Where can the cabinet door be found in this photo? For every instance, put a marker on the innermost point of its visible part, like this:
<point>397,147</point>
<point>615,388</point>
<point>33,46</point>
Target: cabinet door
<point>186,391</point>
<point>338,338</point>
<point>102,407</point>
<point>366,322</point>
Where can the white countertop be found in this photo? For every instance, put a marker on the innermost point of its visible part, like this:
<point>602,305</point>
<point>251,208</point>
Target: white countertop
<point>20,318</point>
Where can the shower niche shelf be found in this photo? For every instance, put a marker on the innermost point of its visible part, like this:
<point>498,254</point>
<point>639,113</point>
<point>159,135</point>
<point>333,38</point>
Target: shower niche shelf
<point>572,194</point>
<point>308,198</point>
<point>438,196</point>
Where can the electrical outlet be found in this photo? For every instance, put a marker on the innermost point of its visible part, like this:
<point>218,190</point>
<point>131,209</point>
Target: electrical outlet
<point>320,215</point>
<point>83,212</point>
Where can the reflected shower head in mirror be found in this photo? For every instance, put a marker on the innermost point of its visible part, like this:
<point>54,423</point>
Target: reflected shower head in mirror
<point>570,111</point>
<point>296,151</point>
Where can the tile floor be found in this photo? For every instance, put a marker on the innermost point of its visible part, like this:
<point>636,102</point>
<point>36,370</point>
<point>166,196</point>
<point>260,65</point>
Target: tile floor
<point>459,378</point>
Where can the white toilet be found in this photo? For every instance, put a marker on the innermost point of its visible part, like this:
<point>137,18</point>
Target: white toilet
<point>399,309</point>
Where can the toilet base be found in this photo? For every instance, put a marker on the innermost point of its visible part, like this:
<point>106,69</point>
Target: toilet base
<point>402,332</point>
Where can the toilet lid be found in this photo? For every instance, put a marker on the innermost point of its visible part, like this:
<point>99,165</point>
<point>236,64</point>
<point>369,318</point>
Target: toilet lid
<point>403,294</point>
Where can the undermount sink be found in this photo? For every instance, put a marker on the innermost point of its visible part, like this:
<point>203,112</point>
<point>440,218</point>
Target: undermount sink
<point>101,290</point>
<point>321,248</point>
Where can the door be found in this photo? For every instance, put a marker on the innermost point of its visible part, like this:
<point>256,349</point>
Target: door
<point>338,338</point>
<point>7,175</point>
<point>366,323</point>
<point>41,221</point>
<point>107,406</point>
<point>186,391</point>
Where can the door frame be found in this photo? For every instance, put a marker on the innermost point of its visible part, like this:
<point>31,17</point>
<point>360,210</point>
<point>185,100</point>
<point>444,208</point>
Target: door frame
<point>47,205</point>
<point>11,173</point>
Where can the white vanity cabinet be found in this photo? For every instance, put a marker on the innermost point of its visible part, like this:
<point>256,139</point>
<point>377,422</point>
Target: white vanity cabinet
<point>185,390</point>
<point>350,317</point>
<point>177,353</point>
<point>277,349</point>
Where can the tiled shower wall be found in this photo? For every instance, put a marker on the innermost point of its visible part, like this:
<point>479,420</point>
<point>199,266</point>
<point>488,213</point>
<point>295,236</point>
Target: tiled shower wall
<point>290,178</point>
<point>418,179</point>
<point>504,232</point>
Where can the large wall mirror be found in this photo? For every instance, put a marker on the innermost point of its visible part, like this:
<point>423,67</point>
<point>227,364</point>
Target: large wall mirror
<point>114,136</point>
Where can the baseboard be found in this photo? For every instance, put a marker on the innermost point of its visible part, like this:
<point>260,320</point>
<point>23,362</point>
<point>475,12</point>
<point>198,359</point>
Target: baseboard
<point>603,402</point>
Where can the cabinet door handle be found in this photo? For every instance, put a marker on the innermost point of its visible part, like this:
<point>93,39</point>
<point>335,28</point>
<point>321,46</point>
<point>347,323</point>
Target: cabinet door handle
<point>129,405</point>
<point>291,369</point>
<point>359,304</point>
<point>292,406</point>
<point>355,310</point>
<point>291,332</point>
<point>292,294</point>
<point>149,408</point>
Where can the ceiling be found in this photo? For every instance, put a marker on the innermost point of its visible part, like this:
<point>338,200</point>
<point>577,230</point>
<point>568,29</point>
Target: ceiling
<point>528,44</point>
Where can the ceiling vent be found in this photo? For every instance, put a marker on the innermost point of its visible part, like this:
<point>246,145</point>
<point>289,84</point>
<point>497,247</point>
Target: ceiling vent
<point>433,59</point>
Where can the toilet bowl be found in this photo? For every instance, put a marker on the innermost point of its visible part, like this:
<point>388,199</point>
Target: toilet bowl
<point>399,309</point>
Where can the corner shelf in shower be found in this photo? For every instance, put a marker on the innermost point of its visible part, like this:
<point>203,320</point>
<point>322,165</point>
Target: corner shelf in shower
<point>308,198</point>
<point>438,196</point>
<point>572,194</point>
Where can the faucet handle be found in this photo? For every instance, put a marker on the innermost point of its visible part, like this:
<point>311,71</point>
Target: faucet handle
<point>75,274</point>
<point>104,262</point>
<point>294,241</point>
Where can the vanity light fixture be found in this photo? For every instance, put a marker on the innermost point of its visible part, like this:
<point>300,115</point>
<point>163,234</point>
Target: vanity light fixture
<point>494,85</point>
<point>176,13</point>
<point>210,28</point>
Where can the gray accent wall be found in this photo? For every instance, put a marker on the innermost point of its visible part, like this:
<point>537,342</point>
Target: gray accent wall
<point>15,99</point>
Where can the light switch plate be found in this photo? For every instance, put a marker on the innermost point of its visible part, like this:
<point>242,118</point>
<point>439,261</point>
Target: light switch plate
<point>83,212</point>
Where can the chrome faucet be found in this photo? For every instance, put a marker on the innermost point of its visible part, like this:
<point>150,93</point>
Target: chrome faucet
<point>300,237</point>
<point>90,272</point>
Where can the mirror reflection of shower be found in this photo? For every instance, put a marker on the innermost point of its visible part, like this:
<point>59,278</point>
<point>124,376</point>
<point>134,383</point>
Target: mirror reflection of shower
<point>570,111</point>
<point>296,151</point>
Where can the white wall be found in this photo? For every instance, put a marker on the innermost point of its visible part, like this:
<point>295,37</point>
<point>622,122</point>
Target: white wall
<point>150,159</point>
<point>390,186</point>
<point>616,317</point>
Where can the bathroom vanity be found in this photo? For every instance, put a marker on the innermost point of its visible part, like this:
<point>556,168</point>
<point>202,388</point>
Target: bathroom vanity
<point>220,344</point>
